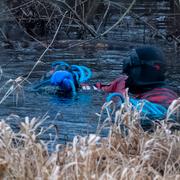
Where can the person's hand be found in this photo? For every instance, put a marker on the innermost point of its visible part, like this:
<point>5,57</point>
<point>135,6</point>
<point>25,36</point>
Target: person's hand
<point>64,79</point>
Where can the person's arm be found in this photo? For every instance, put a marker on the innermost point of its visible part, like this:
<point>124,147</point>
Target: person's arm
<point>148,109</point>
<point>118,85</point>
<point>144,107</point>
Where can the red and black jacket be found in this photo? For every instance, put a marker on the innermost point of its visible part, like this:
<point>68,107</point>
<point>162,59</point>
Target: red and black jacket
<point>161,95</point>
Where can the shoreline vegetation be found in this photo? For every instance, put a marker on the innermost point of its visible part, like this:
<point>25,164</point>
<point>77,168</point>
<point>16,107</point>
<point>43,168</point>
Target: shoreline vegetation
<point>124,154</point>
<point>91,19</point>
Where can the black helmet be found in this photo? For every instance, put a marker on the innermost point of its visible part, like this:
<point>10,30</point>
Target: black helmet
<point>144,66</point>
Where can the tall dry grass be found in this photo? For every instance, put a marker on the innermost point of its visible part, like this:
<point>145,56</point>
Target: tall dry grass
<point>132,155</point>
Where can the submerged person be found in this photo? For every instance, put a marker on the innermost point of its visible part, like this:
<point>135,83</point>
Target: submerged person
<point>144,71</point>
<point>63,79</point>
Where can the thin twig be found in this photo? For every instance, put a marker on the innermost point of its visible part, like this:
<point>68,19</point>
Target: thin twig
<point>5,37</point>
<point>85,25</point>
<point>105,14</point>
<point>18,7</point>
<point>120,19</point>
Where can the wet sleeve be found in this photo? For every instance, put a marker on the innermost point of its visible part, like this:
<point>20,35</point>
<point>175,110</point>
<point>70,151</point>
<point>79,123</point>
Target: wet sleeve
<point>118,85</point>
<point>149,109</point>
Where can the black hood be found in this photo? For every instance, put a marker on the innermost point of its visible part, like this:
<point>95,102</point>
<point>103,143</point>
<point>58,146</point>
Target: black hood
<point>145,67</point>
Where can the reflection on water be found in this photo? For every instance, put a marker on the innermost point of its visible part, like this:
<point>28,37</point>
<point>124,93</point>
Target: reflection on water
<point>74,115</point>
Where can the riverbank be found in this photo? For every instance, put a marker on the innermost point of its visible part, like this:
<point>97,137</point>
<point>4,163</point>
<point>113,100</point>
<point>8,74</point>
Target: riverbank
<point>136,155</point>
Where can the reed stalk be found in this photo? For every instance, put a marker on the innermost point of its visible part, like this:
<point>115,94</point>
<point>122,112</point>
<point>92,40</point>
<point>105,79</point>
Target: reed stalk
<point>134,154</point>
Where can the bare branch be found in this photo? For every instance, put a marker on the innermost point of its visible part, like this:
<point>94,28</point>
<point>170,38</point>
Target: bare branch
<point>120,19</point>
<point>85,25</point>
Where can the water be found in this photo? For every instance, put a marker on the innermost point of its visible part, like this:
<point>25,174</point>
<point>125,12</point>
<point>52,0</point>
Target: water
<point>70,116</point>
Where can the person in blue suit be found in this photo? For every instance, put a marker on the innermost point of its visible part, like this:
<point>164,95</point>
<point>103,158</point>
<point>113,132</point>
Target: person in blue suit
<point>66,79</point>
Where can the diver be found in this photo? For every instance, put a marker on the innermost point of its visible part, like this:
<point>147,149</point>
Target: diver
<point>144,71</point>
<point>64,79</point>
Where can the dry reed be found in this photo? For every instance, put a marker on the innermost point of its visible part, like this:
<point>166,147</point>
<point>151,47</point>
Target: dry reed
<point>135,154</point>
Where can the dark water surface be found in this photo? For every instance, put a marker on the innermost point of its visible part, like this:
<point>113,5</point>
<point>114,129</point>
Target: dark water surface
<point>71,116</point>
